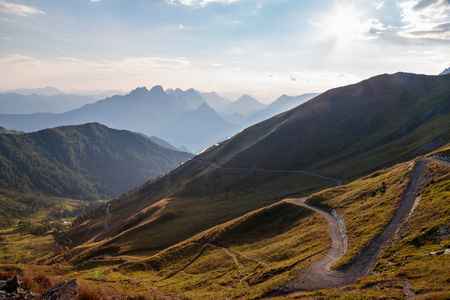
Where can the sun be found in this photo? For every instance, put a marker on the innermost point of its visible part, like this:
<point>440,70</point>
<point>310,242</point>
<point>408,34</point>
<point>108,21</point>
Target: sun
<point>344,23</point>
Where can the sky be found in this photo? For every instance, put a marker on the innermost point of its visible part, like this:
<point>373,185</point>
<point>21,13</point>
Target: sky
<point>264,48</point>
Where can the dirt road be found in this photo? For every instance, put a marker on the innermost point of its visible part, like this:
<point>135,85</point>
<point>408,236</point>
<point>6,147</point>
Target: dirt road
<point>109,217</point>
<point>319,272</point>
<point>338,182</point>
<point>319,276</point>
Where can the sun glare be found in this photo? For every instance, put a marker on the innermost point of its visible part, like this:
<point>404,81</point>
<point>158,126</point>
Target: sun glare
<point>344,23</point>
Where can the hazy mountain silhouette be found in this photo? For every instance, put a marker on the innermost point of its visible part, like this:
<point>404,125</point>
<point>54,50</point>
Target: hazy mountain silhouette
<point>141,110</point>
<point>47,91</point>
<point>14,103</point>
<point>216,102</point>
<point>198,129</point>
<point>446,71</point>
<point>154,112</point>
<point>245,105</point>
<point>190,96</point>
<point>51,91</point>
<point>280,105</point>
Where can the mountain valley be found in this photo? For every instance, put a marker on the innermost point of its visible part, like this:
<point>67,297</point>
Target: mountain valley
<point>249,217</point>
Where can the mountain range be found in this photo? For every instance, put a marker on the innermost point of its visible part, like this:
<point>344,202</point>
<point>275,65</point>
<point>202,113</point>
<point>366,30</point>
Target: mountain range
<point>338,136</point>
<point>51,91</point>
<point>182,118</point>
<point>14,103</point>
<point>348,189</point>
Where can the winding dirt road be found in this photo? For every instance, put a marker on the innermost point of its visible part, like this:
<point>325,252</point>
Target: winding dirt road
<point>319,276</point>
<point>338,182</point>
<point>109,217</point>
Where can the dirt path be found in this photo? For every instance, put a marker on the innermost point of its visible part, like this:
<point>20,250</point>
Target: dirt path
<point>442,162</point>
<point>319,276</point>
<point>169,182</point>
<point>338,182</point>
<point>319,272</point>
<point>109,217</point>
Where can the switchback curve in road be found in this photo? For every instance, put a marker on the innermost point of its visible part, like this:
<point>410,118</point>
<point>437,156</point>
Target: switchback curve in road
<point>319,276</point>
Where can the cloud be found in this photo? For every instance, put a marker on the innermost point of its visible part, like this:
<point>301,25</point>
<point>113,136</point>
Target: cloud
<point>19,70</point>
<point>6,20</point>
<point>63,39</point>
<point>424,4</point>
<point>427,19</point>
<point>201,3</point>
<point>96,0</point>
<point>378,4</point>
<point>440,32</point>
<point>18,9</point>
<point>7,38</point>
<point>216,65</point>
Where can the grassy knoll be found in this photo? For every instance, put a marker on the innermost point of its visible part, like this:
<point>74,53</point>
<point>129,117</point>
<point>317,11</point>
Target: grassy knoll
<point>366,205</point>
<point>244,258</point>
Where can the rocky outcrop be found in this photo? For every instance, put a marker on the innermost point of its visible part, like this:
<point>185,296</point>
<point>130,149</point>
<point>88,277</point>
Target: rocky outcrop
<point>13,289</point>
<point>66,290</point>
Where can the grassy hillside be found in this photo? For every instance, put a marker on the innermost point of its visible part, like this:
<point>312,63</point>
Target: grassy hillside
<point>4,130</point>
<point>87,161</point>
<point>366,205</point>
<point>347,132</point>
<point>342,133</point>
<point>251,255</point>
<point>417,261</point>
<point>191,204</point>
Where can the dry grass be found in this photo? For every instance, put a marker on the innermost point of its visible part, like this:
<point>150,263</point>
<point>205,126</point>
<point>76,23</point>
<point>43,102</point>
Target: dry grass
<point>366,205</point>
<point>245,258</point>
<point>417,252</point>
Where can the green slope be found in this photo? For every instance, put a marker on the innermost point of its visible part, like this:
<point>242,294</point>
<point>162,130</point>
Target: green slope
<point>379,121</point>
<point>87,161</point>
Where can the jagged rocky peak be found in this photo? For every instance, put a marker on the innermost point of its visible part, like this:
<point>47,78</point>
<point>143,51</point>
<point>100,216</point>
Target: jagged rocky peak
<point>140,91</point>
<point>157,90</point>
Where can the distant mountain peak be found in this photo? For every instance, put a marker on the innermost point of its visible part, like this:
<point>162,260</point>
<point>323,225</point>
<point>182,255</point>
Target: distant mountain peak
<point>205,107</point>
<point>157,89</point>
<point>446,71</point>
<point>245,105</point>
<point>248,99</point>
<point>139,91</point>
